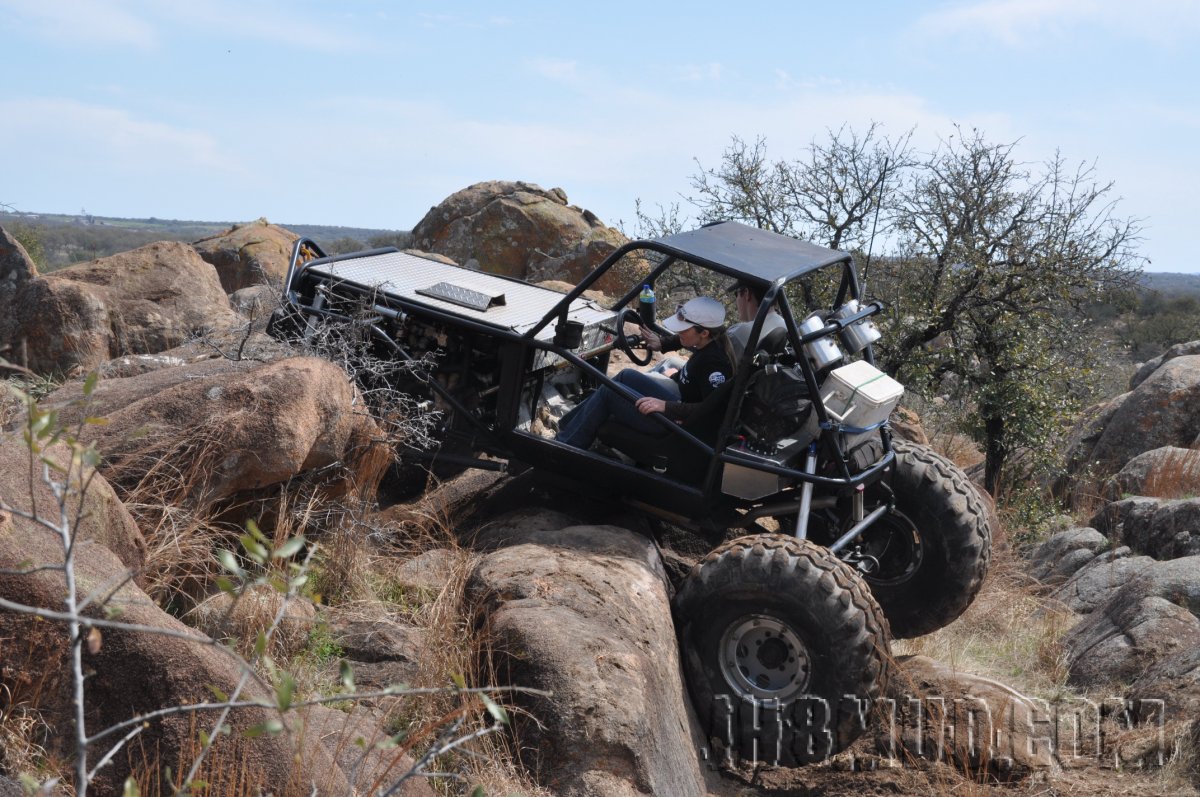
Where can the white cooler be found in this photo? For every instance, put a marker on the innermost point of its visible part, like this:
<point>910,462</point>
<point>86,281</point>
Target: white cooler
<point>860,395</point>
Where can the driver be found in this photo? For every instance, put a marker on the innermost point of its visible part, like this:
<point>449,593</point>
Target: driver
<point>700,325</point>
<point>748,297</point>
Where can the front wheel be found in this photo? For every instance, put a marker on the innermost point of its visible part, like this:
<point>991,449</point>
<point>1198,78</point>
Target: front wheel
<point>784,649</point>
<point>932,553</point>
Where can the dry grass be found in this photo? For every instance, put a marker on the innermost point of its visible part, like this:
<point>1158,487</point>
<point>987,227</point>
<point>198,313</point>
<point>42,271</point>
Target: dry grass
<point>941,418</point>
<point>1010,633</point>
<point>240,618</point>
<point>230,769</point>
<point>26,735</point>
<point>456,647</point>
<point>23,731</point>
<point>1176,476</point>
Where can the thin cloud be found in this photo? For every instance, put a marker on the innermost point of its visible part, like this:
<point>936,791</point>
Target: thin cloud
<point>559,70</point>
<point>148,25</point>
<point>701,73</point>
<point>1025,22</point>
<point>95,22</point>
<point>105,136</point>
<point>268,22</point>
<point>431,20</point>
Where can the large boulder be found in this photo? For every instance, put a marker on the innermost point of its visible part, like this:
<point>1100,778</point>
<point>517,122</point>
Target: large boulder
<point>153,662</point>
<point>521,230</point>
<point>140,302</point>
<point>1149,367</point>
<point>1117,642</point>
<point>1149,616</point>
<point>16,267</point>
<point>978,724</point>
<point>365,751</point>
<point>382,647</point>
<point>1164,410</point>
<point>100,519</point>
<point>1167,472</point>
<point>583,612</point>
<point>250,254</point>
<point>1064,553</point>
<point>1161,528</point>
<point>1094,583</point>
<point>1175,681</point>
<point>218,428</point>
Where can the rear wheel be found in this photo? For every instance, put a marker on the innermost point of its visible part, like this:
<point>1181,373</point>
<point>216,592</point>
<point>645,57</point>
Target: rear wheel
<point>783,647</point>
<point>442,453</point>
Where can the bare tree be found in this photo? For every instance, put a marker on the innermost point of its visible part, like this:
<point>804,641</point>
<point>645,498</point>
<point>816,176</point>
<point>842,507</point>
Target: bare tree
<point>834,196</point>
<point>987,267</point>
<point>999,260</point>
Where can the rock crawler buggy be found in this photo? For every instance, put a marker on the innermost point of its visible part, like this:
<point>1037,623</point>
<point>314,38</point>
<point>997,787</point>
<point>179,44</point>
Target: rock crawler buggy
<point>784,636</point>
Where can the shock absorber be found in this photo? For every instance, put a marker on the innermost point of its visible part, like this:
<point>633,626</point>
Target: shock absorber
<point>810,467</point>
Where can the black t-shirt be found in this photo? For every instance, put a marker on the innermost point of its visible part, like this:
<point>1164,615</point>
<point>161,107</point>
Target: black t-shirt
<point>704,372</point>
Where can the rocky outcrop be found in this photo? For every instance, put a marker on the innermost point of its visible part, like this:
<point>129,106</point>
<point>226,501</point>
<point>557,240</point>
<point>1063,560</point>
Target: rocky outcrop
<point>256,302</point>
<point>1146,616</point>
<point>1118,641</point>
<point>249,254</point>
<point>1064,553</point>
<point>1097,581</point>
<point>1149,367</point>
<point>140,302</point>
<point>238,619</point>
<point>906,423</point>
<point>428,572</point>
<point>1167,472</point>
<point>382,648</point>
<point>224,428</point>
<point>132,671</point>
<point>1141,623</point>
<point>521,230</point>
<point>364,751</point>
<point>1175,681</point>
<point>583,612</point>
<point>16,266</point>
<point>1163,410</point>
<point>1160,528</point>
<point>102,519</point>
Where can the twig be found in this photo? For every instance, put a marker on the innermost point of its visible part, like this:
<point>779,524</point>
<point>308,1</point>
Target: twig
<point>113,751</point>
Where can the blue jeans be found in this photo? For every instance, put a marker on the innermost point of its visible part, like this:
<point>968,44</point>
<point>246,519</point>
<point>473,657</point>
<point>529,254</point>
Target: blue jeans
<point>579,426</point>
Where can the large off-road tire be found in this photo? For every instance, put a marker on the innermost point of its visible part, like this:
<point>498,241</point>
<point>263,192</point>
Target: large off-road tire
<point>784,649</point>
<point>938,545</point>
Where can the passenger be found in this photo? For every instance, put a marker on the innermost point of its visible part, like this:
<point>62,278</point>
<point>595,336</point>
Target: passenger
<point>749,298</point>
<point>699,325</point>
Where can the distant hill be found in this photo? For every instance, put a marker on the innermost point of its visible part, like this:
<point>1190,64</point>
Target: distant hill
<point>67,238</point>
<point>1172,284</point>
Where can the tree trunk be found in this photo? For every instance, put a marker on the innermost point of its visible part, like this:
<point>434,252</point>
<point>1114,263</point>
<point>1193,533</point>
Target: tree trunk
<point>995,452</point>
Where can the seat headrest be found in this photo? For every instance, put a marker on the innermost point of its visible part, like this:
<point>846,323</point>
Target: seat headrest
<point>774,341</point>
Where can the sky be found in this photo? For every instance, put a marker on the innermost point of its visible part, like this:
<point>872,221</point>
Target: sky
<point>367,113</point>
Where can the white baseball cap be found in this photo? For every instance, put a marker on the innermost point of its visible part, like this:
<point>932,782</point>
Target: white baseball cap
<point>703,311</point>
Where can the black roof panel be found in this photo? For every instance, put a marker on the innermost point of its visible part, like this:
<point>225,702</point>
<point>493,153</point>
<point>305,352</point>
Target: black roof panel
<point>740,250</point>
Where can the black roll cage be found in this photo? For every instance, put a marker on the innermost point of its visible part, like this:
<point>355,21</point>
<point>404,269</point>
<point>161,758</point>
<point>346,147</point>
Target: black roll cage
<point>849,288</point>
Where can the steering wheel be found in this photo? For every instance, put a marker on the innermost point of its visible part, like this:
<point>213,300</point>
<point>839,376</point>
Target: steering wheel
<point>627,343</point>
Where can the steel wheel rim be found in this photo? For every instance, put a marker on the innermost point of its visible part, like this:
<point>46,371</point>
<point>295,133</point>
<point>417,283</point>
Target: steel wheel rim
<point>763,658</point>
<point>902,540</point>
